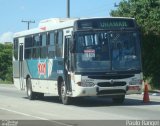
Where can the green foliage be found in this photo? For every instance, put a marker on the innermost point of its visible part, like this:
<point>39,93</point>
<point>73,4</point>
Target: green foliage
<point>151,58</point>
<point>6,62</point>
<point>147,15</point>
<point>146,12</point>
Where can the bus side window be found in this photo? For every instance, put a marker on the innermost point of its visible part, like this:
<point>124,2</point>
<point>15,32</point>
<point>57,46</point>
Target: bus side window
<point>43,48</point>
<point>28,53</point>
<point>28,47</point>
<point>15,49</point>
<point>59,44</point>
<point>44,39</point>
<point>35,53</point>
<point>36,40</point>
<point>51,45</point>
<point>35,49</point>
<point>28,42</point>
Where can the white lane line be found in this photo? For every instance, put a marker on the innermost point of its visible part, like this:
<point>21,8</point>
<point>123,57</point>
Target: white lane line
<point>20,113</point>
<point>36,117</point>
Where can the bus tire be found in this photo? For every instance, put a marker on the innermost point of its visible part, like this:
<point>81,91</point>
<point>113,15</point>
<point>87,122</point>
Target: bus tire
<point>119,99</point>
<point>30,94</point>
<point>63,94</point>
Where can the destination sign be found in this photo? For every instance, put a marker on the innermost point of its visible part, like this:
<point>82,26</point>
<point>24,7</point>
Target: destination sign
<point>105,23</point>
<point>110,24</point>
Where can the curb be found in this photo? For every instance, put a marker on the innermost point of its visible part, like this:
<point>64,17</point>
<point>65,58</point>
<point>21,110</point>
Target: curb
<point>6,85</point>
<point>156,94</point>
<point>153,94</point>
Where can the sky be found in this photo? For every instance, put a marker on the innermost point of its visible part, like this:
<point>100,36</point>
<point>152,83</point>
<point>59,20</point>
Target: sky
<point>12,12</point>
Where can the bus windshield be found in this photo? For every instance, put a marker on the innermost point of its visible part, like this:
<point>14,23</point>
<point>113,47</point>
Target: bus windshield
<point>106,51</point>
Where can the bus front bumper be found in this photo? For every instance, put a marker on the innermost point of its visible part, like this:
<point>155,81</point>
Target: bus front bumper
<point>99,91</point>
<point>107,91</point>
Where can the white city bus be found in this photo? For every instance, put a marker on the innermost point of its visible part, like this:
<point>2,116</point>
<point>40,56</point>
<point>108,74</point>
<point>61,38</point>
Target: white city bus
<point>79,57</point>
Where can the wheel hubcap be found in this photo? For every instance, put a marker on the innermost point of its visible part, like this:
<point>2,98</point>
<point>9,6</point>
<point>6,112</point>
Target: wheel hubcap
<point>29,91</point>
<point>63,91</point>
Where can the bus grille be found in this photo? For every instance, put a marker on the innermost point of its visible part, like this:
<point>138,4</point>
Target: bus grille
<point>109,84</point>
<point>118,91</point>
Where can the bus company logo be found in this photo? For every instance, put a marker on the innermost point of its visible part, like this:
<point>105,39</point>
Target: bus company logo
<point>42,68</point>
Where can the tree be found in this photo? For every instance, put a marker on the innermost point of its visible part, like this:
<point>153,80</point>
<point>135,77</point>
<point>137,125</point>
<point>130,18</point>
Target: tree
<point>147,15</point>
<point>6,62</point>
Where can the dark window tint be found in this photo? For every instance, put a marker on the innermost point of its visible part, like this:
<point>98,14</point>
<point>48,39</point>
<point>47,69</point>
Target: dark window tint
<point>35,53</point>
<point>44,39</point>
<point>21,52</point>
<point>43,52</point>
<point>51,38</point>
<point>59,46</point>
<point>28,53</point>
<point>51,51</point>
<point>28,42</point>
<point>60,38</point>
<point>15,49</point>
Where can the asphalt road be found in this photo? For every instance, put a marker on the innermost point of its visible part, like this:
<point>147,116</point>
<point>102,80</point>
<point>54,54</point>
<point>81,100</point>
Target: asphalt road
<point>14,105</point>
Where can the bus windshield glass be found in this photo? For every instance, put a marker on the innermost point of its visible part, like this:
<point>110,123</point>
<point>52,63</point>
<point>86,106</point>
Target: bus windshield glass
<point>105,51</point>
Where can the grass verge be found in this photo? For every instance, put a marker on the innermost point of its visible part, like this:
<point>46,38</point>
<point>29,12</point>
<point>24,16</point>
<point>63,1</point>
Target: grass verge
<point>5,82</point>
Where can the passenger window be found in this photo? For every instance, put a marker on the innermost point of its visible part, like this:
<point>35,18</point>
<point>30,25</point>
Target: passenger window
<point>51,38</point>
<point>51,51</point>
<point>16,49</point>
<point>28,42</point>
<point>36,40</point>
<point>28,53</point>
<point>51,45</point>
<point>59,45</point>
<point>35,53</point>
<point>44,39</point>
<point>43,52</point>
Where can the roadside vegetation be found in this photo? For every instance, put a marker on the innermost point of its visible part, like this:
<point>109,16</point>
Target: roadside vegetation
<point>147,15</point>
<point>6,64</point>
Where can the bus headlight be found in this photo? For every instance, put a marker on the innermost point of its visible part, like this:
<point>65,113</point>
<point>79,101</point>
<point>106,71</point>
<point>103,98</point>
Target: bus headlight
<point>135,81</point>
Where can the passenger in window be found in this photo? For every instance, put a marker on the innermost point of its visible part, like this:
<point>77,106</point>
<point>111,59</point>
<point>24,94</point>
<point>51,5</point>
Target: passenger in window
<point>104,51</point>
<point>117,52</point>
<point>128,51</point>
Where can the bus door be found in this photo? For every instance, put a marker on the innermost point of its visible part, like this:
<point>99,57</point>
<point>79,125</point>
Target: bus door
<point>21,63</point>
<point>67,62</point>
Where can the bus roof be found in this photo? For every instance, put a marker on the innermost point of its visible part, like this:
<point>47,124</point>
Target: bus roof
<point>47,25</point>
<point>57,23</point>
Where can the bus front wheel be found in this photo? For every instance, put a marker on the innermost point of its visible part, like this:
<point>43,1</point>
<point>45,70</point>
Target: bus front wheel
<point>30,93</point>
<point>63,94</point>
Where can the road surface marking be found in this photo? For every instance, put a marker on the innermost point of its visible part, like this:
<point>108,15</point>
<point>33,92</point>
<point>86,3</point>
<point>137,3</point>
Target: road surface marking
<point>20,113</point>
